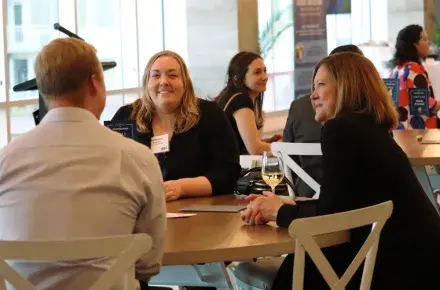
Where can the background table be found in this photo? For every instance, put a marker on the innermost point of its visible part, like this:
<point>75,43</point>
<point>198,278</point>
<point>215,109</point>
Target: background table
<point>421,155</point>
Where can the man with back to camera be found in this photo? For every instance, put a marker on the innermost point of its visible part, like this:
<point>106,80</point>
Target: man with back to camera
<point>301,127</point>
<point>71,177</point>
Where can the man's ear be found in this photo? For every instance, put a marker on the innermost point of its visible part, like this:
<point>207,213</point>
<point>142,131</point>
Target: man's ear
<point>93,84</point>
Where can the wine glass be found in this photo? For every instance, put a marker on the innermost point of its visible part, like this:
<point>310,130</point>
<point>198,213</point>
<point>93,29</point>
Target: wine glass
<point>272,170</point>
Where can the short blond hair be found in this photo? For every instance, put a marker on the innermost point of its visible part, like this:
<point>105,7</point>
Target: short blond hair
<point>360,88</point>
<point>63,66</point>
<point>187,115</point>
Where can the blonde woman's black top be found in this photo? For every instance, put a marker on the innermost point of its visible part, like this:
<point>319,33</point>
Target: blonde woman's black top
<point>208,149</point>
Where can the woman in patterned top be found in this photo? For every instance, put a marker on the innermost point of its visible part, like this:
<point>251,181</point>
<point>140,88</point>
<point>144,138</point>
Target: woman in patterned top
<point>412,45</point>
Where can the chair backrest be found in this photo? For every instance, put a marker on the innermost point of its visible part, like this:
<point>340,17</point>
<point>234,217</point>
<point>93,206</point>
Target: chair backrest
<point>305,229</point>
<point>286,149</point>
<point>125,249</point>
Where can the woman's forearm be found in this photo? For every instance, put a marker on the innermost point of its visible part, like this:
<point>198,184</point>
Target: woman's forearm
<point>197,186</point>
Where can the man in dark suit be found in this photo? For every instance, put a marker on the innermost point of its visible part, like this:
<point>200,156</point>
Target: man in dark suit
<point>301,127</point>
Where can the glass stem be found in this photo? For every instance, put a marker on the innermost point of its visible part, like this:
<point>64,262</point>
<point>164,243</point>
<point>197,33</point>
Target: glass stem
<point>273,190</point>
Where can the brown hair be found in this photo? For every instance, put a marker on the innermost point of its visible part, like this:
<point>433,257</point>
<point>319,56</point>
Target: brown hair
<point>188,114</point>
<point>63,66</point>
<point>237,69</point>
<point>359,87</point>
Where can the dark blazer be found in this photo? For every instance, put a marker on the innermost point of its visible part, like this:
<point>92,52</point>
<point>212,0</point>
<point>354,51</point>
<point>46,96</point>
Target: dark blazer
<point>208,149</point>
<point>364,166</point>
<point>301,127</point>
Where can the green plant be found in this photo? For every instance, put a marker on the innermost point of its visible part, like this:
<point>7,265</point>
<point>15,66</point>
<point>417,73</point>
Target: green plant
<point>275,26</point>
<point>436,38</point>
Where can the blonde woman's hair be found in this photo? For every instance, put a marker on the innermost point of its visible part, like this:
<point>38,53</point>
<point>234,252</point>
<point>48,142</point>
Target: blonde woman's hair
<point>64,66</point>
<point>359,87</point>
<point>187,114</point>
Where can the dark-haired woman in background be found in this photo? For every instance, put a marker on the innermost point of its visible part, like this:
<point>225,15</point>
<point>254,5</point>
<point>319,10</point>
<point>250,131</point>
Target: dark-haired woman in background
<point>411,47</point>
<point>242,101</point>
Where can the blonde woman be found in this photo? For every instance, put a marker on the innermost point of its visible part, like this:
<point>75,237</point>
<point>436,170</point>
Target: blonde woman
<point>362,166</point>
<point>191,137</point>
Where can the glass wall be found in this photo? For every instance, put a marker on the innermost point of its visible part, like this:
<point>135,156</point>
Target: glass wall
<point>128,32</point>
<point>29,26</point>
<point>275,21</point>
<point>371,24</point>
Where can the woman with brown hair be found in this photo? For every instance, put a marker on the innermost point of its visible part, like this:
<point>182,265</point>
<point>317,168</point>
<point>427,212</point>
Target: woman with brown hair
<point>242,101</point>
<point>362,166</point>
<point>191,137</point>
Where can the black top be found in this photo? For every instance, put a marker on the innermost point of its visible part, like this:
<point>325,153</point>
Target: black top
<point>208,149</point>
<point>301,127</point>
<point>364,166</point>
<point>239,102</point>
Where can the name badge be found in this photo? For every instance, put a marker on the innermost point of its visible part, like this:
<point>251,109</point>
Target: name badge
<point>160,144</point>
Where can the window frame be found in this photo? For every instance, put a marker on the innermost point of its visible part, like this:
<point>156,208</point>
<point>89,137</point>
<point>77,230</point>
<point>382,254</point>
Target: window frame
<point>72,19</point>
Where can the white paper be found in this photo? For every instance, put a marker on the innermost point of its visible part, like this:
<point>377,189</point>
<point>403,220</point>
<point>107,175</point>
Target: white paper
<point>171,215</point>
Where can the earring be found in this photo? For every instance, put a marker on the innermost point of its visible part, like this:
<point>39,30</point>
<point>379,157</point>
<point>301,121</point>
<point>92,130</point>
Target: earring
<point>234,80</point>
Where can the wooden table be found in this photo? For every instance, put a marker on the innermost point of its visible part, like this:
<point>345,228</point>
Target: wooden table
<point>420,155</point>
<point>216,237</point>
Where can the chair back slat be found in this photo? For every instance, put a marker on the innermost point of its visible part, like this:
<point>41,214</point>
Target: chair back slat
<point>304,230</point>
<point>125,249</point>
<point>286,149</point>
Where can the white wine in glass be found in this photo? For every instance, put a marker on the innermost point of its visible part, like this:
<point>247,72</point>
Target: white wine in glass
<point>272,170</point>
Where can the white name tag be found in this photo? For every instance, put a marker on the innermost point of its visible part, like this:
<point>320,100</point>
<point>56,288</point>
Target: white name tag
<point>160,144</point>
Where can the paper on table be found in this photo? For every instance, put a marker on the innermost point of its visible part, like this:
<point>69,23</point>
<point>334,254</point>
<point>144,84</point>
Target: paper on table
<point>215,208</point>
<point>172,215</point>
<point>429,138</point>
<point>430,142</point>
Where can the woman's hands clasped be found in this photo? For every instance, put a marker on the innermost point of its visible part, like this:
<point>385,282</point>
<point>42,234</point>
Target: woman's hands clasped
<point>262,208</point>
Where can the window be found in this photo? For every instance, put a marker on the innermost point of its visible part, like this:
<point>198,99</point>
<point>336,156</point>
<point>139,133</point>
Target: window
<point>47,12</point>
<point>20,69</point>
<point>114,102</point>
<point>90,13</point>
<point>128,32</point>
<point>21,119</point>
<point>18,14</point>
<point>26,34</point>
<point>151,31</point>
<point>3,60</point>
<point>3,128</point>
<point>276,47</point>
<point>113,32</point>
<point>175,27</point>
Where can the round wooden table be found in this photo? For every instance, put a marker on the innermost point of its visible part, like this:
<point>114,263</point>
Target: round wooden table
<point>215,237</point>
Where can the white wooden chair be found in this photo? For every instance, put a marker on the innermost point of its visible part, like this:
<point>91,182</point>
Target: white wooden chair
<point>284,149</point>
<point>305,229</point>
<point>126,249</point>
